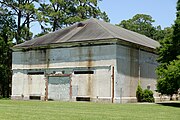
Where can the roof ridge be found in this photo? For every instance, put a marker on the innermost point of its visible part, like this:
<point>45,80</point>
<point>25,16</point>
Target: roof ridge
<point>78,30</point>
<point>75,32</point>
<point>97,21</point>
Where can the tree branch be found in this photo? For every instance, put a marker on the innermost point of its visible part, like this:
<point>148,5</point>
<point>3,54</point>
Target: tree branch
<point>10,5</point>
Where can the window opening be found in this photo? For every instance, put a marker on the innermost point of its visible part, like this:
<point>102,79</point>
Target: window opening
<point>35,73</point>
<point>83,72</point>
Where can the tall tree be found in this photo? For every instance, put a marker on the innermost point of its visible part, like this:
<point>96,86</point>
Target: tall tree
<point>143,24</point>
<point>60,13</point>
<point>25,12</point>
<point>7,32</point>
<point>169,58</point>
<point>176,33</point>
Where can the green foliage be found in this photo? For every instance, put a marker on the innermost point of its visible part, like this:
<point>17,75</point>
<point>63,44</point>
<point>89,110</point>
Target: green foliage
<point>169,78</point>
<point>176,33</point>
<point>7,33</point>
<point>57,14</point>
<point>168,71</point>
<point>25,12</point>
<point>139,93</point>
<point>165,50</point>
<point>51,14</point>
<point>5,68</point>
<point>148,96</point>
<point>143,24</point>
<point>144,95</point>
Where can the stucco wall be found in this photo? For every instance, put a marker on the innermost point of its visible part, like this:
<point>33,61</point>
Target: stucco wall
<point>130,65</point>
<point>96,58</point>
<point>133,65</point>
<point>24,85</point>
<point>64,57</point>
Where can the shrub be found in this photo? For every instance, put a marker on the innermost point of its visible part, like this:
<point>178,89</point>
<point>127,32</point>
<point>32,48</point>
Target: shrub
<point>139,93</point>
<point>148,96</point>
<point>144,96</point>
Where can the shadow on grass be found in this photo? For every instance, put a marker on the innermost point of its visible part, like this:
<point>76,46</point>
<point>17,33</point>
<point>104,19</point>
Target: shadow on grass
<point>171,104</point>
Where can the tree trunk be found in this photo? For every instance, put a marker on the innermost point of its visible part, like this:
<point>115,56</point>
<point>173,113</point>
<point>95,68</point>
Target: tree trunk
<point>28,26</point>
<point>171,97</point>
<point>54,24</point>
<point>3,89</point>
<point>19,28</point>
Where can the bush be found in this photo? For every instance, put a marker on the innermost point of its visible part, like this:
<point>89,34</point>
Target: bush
<point>148,96</point>
<point>144,96</point>
<point>139,93</point>
<point>1,98</point>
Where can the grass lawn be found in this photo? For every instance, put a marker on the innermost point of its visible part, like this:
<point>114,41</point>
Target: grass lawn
<point>39,110</point>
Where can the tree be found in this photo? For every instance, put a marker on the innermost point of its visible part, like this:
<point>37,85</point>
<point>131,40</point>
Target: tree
<point>170,82</point>
<point>176,34</point>
<point>7,33</point>
<point>143,24</point>
<point>25,12</point>
<point>165,50</point>
<point>169,58</point>
<point>60,13</point>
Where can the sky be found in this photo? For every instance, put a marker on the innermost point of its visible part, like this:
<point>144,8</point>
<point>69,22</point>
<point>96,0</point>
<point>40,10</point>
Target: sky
<point>162,11</point>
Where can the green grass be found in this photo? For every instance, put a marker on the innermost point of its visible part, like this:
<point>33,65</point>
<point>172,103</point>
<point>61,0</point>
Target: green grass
<point>38,110</point>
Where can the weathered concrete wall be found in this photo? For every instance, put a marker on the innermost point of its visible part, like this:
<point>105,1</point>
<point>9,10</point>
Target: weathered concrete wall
<point>65,57</point>
<point>67,60</point>
<point>130,65</point>
<point>24,85</point>
<point>133,65</point>
<point>96,86</point>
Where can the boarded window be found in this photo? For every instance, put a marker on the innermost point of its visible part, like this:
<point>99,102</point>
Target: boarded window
<point>58,88</point>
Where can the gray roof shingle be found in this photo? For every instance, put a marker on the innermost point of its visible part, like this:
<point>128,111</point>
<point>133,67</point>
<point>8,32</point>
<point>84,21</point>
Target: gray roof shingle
<point>91,29</point>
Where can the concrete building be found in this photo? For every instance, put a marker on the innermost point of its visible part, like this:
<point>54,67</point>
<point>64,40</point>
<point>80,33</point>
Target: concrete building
<point>89,61</point>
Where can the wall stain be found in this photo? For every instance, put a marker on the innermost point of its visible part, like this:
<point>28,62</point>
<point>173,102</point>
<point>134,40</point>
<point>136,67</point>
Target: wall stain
<point>89,65</point>
<point>29,84</point>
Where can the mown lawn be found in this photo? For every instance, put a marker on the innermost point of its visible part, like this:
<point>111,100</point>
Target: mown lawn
<point>38,110</point>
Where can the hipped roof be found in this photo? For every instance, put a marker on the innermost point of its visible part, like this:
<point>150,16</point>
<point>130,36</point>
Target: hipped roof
<point>89,30</point>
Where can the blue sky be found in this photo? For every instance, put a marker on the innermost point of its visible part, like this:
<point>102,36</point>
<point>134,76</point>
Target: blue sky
<point>162,11</point>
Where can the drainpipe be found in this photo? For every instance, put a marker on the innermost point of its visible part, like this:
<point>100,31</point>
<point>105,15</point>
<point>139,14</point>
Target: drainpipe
<point>112,84</point>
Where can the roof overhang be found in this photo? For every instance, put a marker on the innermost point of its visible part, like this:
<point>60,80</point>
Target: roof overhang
<point>86,43</point>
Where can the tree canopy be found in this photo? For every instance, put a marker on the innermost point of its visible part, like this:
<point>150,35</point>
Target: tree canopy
<point>143,24</point>
<point>7,33</point>
<point>169,58</point>
<point>25,12</point>
<point>57,14</point>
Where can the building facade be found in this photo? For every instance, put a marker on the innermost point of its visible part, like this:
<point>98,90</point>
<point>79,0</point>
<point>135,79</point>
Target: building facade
<point>84,63</point>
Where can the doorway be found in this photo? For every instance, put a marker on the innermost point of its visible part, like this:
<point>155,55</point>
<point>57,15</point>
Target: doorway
<point>59,88</point>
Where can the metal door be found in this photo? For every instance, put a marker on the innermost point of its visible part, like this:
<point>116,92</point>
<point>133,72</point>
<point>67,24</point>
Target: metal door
<point>58,88</point>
